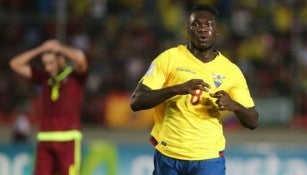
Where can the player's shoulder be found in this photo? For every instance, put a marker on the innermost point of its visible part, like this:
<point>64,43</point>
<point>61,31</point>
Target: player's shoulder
<point>227,62</point>
<point>169,53</point>
<point>175,49</point>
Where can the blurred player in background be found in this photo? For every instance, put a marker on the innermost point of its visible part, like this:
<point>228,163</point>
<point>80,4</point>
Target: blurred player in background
<point>62,85</point>
<point>189,86</point>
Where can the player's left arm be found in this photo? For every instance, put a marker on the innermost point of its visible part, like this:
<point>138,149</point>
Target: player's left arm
<point>248,117</point>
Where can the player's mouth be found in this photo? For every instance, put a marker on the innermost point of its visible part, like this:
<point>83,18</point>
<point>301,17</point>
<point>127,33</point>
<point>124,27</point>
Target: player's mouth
<point>202,38</point>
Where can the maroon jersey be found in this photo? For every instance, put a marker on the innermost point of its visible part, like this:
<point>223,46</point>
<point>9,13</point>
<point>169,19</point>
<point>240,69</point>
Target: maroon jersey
<point>64,113</point>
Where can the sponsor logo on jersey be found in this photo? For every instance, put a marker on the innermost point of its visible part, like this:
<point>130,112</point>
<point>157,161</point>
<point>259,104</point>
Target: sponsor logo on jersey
<point>182,69</point>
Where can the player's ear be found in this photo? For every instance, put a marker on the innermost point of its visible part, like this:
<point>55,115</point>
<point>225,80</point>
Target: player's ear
<point>217,30</point>
<point>62,60</point>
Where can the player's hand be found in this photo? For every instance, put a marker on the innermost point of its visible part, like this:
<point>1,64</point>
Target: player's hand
<point>52,45</point>
<point>190,86</point>
<point>224,101</point>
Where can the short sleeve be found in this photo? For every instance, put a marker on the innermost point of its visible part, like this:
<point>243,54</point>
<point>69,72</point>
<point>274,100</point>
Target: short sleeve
<point>240,91</point>
<point>157,72</point>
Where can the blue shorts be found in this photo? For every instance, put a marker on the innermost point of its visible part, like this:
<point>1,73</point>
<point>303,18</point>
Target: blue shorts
<point>164,165</point>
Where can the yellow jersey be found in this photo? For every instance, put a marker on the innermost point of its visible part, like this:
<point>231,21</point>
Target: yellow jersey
<point>189,127</point>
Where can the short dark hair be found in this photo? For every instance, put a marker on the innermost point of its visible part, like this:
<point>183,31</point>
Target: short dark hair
<point>205,7</point>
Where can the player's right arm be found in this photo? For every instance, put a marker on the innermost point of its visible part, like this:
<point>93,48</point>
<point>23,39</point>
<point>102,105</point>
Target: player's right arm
<point>21,63</point>
<point>145,98</point>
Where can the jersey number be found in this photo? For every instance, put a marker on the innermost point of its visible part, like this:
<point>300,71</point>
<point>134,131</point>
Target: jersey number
<point>196,96</point>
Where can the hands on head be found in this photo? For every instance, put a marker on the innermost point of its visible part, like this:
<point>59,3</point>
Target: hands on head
<point>52,45</point>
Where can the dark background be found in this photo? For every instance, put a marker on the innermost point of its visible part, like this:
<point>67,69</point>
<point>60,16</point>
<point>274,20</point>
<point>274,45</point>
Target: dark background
<point>267,39</point>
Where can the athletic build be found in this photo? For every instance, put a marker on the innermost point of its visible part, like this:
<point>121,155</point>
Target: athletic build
<point>188,86</point>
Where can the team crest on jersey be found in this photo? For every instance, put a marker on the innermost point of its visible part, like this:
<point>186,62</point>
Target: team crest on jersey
<point>217,79</point>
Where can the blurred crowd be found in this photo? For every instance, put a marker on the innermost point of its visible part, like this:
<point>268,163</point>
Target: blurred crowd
<point>266,38</point>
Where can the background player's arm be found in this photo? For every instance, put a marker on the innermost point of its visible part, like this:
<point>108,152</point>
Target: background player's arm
<point>20,63</point>
<point>77,57</point>
<point>145,98</point>
<point>248,117</point>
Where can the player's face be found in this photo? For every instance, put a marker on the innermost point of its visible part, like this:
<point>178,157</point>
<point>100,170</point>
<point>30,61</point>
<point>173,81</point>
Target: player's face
<point>51,63</point>
<point>202,29</point>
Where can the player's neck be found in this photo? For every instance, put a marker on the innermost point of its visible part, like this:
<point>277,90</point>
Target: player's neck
<point>204,56</point>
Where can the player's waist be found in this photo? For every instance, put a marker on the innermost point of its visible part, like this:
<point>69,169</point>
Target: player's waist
<point>59,123</point>
<point>202,144</point>
<point>59,135</point>
<point>190,151</point>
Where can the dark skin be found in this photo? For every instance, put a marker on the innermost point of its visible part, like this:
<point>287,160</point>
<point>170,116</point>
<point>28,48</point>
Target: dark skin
<point>202,29</point>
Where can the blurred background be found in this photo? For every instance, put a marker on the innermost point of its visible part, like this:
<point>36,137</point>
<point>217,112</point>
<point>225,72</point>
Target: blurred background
<point>266,38</point>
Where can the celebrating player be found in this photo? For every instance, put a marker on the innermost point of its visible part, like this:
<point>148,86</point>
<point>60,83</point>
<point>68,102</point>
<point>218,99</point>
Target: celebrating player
<point>189,86</point>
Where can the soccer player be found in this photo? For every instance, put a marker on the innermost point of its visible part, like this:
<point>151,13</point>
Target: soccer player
<point>189,86</point>
<point>62,85</point>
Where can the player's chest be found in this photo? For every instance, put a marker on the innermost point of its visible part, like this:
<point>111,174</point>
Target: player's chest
<point>217,78</point>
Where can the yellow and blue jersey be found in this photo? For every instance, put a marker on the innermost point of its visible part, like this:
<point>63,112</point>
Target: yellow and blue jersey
<point>189,127</point>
